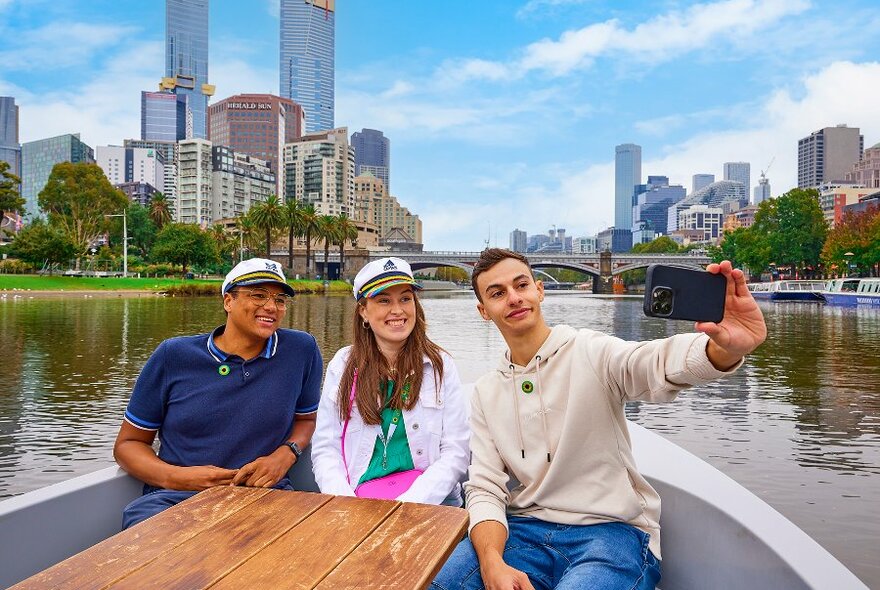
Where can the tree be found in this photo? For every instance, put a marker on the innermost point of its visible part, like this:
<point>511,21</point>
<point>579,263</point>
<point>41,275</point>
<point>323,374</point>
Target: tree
<point>141,229</point>
<point>185,244</point>
<point>327,231</point>
<point>345,230</point>
<point>40,243</point>
<point>661,245</point>
<point>247,234</point>
<point>293,217</point>
<point>76,198</point>
<point>857,234</point>
<point>10,199</point>
<point>224,242</point>
<point>160,210</point>
<point>794,227</point>
<point>309,229</point>
<point>268,216</point>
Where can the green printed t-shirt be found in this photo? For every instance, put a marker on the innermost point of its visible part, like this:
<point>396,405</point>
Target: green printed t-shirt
<point>399,457</point>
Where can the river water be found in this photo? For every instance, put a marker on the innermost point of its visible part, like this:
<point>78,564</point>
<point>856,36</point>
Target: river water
<point>798,425</point>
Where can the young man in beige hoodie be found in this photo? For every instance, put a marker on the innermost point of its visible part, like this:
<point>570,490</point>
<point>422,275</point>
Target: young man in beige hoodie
<point>551,417</point>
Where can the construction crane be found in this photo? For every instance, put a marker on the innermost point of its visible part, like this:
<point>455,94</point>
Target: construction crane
<point>767,169</point>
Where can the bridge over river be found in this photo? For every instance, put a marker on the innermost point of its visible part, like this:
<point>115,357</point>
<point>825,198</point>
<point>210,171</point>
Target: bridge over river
<point>602,266</point>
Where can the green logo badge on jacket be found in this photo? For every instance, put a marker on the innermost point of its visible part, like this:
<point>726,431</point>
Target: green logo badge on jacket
<point>223,370</point>
<point>527,387</point>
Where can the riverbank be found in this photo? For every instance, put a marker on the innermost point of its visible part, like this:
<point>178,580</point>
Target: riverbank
<point>34,285</point>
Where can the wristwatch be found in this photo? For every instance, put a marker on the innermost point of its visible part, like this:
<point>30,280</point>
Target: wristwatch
<point>294,448</point>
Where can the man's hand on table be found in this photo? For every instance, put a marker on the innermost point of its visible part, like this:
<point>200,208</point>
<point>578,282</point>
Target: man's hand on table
<point>267,471</point>
<point>200,477</point>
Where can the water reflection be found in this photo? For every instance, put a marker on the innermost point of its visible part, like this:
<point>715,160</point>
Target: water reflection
<point>799,424</point>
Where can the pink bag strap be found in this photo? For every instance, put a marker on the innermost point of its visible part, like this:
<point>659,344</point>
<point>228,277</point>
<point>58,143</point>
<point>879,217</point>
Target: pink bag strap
<point>347,418</point>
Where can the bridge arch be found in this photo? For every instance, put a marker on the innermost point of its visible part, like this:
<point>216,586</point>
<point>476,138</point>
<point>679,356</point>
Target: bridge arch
<point>423,264</point>
<point>567,266</point>
<point>638,265</point>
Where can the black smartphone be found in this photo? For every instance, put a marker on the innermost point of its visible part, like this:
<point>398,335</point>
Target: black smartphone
<point>682,293</point>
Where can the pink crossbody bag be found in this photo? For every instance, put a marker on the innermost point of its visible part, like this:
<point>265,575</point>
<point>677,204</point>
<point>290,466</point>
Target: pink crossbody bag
<point>382,488</point>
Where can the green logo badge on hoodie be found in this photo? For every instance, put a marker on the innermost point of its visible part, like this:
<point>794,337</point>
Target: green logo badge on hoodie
<point>527,387</point>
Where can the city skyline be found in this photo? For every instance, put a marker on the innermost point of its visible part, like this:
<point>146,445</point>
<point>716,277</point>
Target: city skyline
<point>512,124</point>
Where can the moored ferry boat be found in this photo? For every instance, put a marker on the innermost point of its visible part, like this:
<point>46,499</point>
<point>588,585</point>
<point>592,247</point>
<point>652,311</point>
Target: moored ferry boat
<point>853,292</point>
<point>788,290</point>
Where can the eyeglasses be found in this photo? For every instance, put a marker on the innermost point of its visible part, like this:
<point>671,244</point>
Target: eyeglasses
<point>260,297</point>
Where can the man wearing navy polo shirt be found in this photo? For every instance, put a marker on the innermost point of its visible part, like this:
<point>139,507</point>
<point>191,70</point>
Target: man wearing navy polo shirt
<point>233,407</point>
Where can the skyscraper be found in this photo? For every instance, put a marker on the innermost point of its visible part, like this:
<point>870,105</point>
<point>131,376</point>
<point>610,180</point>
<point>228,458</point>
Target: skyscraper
<point>372,153</point>
<point>257,125</point>
<point>762,190</point>
<point>701,180</point>
<point>10,150</point>
<point>739,172</point>
<point>38,158</point>
<point>165,116</point>
<point>186,58</point>
<point>307,59</point>
<point>319,170</point>
<point>518,240</point>
<point>828,154</point>
<point>627,174</point>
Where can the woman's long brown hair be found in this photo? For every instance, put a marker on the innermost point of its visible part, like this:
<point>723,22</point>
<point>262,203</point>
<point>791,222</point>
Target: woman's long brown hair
<point>373,369</point>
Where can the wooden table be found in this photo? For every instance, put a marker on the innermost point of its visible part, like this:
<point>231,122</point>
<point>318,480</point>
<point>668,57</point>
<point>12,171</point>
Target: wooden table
<point>233,537</point>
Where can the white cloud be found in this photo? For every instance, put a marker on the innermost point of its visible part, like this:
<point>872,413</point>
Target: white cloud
<point>104,108</point>
<point>61,45</point>
<point>661,38</point>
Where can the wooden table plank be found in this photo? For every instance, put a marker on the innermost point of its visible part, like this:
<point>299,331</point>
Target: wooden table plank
<point>111,559</point>
<point>209,556</point>
<point>406,551</point>
<point>304,555</point>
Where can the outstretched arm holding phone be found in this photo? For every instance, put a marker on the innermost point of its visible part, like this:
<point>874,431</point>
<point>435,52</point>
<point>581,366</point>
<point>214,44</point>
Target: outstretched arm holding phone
<point>742,330</point>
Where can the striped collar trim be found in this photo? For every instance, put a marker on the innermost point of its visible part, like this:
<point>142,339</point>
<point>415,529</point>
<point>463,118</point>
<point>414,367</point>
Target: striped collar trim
<point>221,356</point>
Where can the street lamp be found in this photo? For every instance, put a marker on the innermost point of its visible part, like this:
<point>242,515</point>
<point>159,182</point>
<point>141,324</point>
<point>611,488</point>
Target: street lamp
<point>124,217</point>
<point>849,262</point>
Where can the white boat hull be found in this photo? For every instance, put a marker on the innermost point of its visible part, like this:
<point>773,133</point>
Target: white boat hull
<point>716,534</point>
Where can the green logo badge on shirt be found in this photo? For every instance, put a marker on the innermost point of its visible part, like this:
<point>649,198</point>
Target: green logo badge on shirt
<point>527,387</point>
<point>223,370</point>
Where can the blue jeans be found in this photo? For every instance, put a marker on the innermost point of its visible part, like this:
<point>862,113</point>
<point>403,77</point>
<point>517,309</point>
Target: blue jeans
<point>157,500</point>
<point>608,556</point>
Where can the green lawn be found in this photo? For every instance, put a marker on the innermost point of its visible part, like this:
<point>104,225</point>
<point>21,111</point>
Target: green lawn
<point>59,283</point>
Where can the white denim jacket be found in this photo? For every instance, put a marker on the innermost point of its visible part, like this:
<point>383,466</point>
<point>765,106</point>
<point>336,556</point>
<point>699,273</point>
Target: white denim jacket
<point>437,430</point>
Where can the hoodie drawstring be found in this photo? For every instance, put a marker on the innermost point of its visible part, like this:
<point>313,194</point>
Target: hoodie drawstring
<point>522,446</point>
<point>541,399</point>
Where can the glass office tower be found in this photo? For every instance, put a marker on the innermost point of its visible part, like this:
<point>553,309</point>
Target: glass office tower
<point>39,157</point>
<point>627,174</point>
<point>10,150</point>
<point>186,58</point>
<point>372,153</point>
<point>308,38</point>
<point>165,117</point>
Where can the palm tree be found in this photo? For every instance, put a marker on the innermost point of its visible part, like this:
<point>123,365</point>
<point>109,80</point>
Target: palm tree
<point>346,230</point>
<point>246,231</point>
<point>327,232</point>
<point>293,216</point>
<point>268,216</point>
<point>309,229</point>
<point>160,209</point>
<point>220,237</point>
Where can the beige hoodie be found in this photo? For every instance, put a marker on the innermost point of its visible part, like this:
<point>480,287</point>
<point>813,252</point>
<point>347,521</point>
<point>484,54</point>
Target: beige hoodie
<point>557,426</point>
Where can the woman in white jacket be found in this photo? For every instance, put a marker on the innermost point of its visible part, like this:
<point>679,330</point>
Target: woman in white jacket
<point>392,421</point>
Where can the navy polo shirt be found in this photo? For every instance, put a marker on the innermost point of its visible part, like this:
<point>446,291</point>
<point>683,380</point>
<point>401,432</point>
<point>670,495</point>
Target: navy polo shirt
<point>212,408</point>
